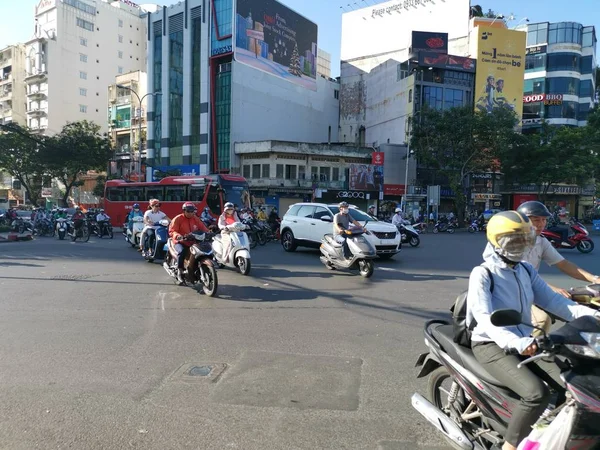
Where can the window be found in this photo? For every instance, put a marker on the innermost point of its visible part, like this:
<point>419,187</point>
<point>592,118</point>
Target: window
<point>537,34</point>
<point>82,57</point>
<point>120,23</point>
<point>306,211</point>
<point>246,171</point>
<point>402,71</point>
<point>196,193</point>
<point>213,200</point>
<point>85,24</point>
<point>266,171</point>
<point>120,69</point>
<point>432,96</point>
<point>83,92</point>
<point>120,39</point>
<point>589,37</point>
<point>83,75</point>
<point>81,6</point>
<point>535,62</point>
<point>453,98</point>
<point>336,94</point>
<point>82,108</point>
<point>255,170</point>
<point>83,41</point>
<point>533,110</point>
<point>585,64</point>
<point>565,32</point>
<point>175,193</point>
<point>410,96</point>
<point>290,171</point>
<point>301,172</point>
<point>279,171</point>
<point>563,85</point>
<point>568,110</point>
<point>176,88</point>
<point>115,194</point>
<point>335,174</point>
<point>321,212</point>
<point>314,173</point>
<point>134,194</point>
<point>293,211</point>
<point>586,88</point>
<point>534,86</point>
<point>563,61</point>
<point>120,53</point>
<point>324,173</point>
<point>584,110</point>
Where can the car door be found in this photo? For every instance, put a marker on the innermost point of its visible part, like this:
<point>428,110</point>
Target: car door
<point>320,227</point>
<point>302,222</point>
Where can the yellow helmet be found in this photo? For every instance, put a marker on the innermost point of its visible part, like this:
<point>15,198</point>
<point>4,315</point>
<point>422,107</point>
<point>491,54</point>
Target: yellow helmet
<point>511,234</point>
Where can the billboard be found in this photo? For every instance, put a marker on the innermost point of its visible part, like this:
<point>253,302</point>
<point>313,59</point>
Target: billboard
<point>365,177</point>
<point>432,42</point>
<point>273,38</point>
<point>500,69</point>
<point>446,61</point>
<point>160,172</point>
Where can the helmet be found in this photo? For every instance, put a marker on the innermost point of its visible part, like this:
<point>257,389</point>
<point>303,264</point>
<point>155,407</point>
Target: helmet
<point>136,206</point>
<point>207,209</point>
<point>397,210</point>
<point>344,205</point>
<point>189,207</point>
<point>154,202</point>
<point>511,234</point>
<point>228,205</point>
<point>533,208</point>
<point>372,207</point>
<point>101,210</point>
<point>78,208</point>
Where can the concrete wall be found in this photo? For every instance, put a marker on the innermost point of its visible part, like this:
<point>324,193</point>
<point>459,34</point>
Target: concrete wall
<point>395,164</point>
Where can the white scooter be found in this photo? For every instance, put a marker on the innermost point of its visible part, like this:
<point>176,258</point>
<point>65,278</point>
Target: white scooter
<point>61,228</point>
<point>134,235</point>
<point>238,254</point>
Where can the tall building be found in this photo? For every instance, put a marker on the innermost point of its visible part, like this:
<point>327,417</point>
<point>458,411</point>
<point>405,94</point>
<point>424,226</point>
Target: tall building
<point>12,85</point>
<point>560,74</point>
<point>78,48</point>
<point>323,63</point>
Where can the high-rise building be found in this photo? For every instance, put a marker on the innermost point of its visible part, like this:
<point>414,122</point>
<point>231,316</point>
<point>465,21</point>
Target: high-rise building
<point>12,82</point>
<point>323,63</point>
<point>78,48</point>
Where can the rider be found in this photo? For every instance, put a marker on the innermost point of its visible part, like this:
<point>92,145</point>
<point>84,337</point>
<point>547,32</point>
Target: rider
<point>341,227</point>
<point>207,217</point>
<point>397,219</point>
<point>185,223</point>
<point>371,211</point>
<point>543,251</point>
<point>262,215</point>
<point>135,212</point>
<point>151,216</point>
<point>518,286</point>
<point>273,220</point>
<point>229,217</point>
<point>78,218</point>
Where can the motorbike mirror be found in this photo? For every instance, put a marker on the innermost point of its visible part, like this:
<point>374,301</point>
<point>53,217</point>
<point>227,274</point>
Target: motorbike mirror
<point>505,318</point>
<point>326,219</point>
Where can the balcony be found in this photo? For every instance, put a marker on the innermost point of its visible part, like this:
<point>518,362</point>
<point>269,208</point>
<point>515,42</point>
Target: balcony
<point>36,77</point>
<point>120,124</point>
<point>6,79</point>
<point>303,184</point>
<point>5,94</point>
<point>37,95</point>
<point>37,112</point>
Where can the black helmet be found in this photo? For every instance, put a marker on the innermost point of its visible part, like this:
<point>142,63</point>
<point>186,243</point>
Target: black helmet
<point>534,208</point>
<point>344,205</point>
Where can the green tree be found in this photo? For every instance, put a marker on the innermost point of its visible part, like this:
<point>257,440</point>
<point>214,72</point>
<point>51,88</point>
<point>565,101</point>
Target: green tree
<point>476,11</point>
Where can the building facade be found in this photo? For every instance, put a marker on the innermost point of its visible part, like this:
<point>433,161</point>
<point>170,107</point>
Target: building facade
<point>216,100</point>
<point>323,63</point>
<point>12,85</point>
<point>560,74</point>
<point>79,46</point>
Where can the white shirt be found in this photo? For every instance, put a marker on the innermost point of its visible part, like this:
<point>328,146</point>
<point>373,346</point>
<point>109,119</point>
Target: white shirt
<point>542,251</point>
<point>397,219</point>
<point>151,217</point>
<point>102,217</point>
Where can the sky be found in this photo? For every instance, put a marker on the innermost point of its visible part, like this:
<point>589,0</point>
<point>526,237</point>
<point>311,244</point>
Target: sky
<point>16,17</point>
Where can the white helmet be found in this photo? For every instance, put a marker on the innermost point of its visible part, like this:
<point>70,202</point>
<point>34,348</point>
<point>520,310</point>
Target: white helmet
<point>398,210</point>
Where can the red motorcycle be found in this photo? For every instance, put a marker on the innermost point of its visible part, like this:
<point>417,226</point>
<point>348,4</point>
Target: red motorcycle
<point>579,237</point>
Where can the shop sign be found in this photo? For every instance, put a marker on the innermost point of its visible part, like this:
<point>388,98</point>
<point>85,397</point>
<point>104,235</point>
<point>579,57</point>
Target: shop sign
<point>565,47</point>
<point>566,190</point>
<point>486,196</point>
<point>46,192</point>
<point>482,176</point>
<point>377,158</point>
<point>536,50</point>
<point>531,121</point>
<point>351,194</point>
<point>393,189</point>
<point>534,98</point>
<point>553,99</point>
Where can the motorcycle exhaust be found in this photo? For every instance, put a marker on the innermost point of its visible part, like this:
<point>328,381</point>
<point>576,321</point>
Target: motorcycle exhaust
<point>443,423</point>
<point>170,271</point>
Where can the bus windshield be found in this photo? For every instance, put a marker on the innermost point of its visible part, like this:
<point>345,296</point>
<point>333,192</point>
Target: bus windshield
<point>236,193</point>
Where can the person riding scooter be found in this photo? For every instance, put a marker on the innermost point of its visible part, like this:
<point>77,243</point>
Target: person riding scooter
<point>152,216</point>
<point>135,212</point>
<point>517,286</point>
<point>398,218</point>
<point>229,217</point>
<point>207,217</point>
<point>341,227</point>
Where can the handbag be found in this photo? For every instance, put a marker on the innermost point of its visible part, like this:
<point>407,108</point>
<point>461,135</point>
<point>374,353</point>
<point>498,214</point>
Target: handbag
<point>553,436</point>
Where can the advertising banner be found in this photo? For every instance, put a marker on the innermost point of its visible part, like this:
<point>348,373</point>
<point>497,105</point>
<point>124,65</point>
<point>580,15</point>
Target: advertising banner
<point>160,172</point>
<point>500,69</point>
<point>273,38</point>
<point>432,42</point>
<point>365,177</point>
<point>377,158</point>
<point>446,61</point>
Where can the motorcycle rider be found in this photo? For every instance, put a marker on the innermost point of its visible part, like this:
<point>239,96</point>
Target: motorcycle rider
<point>183,224</point>
<point>135,212</point>
<point>273,220</point>
<point>151,216</point>
<point>229,217</point>
<point>262,215</point>
<point>518,286</point>
<point>207,217</point>
<point>371,211</point>
<point>77,218</point>
<point>341,227</point>
<point>397,219</point>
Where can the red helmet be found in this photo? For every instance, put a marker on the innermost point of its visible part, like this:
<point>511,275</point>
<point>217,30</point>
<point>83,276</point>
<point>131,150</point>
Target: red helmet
<point>189,207</point>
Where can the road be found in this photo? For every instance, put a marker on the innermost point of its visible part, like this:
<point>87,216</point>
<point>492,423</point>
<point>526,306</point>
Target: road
<point>97,346</point>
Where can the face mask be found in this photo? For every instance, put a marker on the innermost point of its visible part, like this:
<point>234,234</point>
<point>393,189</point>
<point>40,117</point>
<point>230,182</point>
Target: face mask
<point>514,246</point>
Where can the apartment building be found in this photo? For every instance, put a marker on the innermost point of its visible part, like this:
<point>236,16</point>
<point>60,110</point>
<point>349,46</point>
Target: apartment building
<point>12,90</point>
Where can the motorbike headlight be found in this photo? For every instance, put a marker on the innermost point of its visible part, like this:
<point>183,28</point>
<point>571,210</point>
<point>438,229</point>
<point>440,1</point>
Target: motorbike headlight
<point>590,351</point>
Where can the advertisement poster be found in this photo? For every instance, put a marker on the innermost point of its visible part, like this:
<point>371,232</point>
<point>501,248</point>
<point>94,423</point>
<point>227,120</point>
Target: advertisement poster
<point>444,61</point>
<point>377,158</point>
<point>160,172</point>
<point>432,42</point>
<point>273,38</point>
<point>500,69</point>
<point>365,177</point>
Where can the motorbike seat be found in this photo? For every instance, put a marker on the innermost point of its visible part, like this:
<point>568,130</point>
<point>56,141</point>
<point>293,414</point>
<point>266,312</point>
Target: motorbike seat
<point>444,334</point>
<point>331,240</point>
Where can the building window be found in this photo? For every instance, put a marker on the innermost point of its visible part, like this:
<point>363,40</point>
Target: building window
<point>85,24</point>
<point>246,171</point>
<point>301,172</point>
<point>324,173</point>
<point>589,37</point>
<point>586,64</point>
<point>586,89</point>
<point>83,41</point>
<point>537,34</point>
<point>402,71</point>
<point>176,85</point>
<point>584,110</point>
<point>120,39</point>
<point>410,96</point>
<point>335,174</point>
<point>157,86</point>
<point>82,108</point>
<point>533,110</point>
<point>336,94</point>
<point>120,23</point>
<point>563,61</point>
<point>290,172</point>
<point>565,32</point>
<point>255,170</point>
<point>535,62</point>
<point>534,86</point>
<point>453,98</point>
<point>266,171</point>
<point>433,97</point>
<point>81,6</point>
<point>83,92</point>
<point>120,69</point>
<point>83,75</point>
<point>314,173</point>
<point>120,54</point>
<point>563,85</point>
<point>568,110</point>
<point>196,49</point>
<point>223,114</point>
<point>82,57</point>
<point>279,171</point>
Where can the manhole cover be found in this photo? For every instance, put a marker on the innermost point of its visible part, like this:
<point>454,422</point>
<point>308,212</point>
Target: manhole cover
<point>200,371</point>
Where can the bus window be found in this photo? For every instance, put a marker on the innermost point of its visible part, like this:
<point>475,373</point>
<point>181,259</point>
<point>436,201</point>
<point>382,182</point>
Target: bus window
<point>115,194</point>
<point>155,192</point>
<point>175,193</point>
<point>134,194</point>
<point>213,201</point>
<point>196,194</point>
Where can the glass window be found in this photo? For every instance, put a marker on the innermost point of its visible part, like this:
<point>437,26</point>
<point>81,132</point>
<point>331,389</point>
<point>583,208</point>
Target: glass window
<point>134,194</point>
<point>83,92</point>
<point>279,171</point>
<point>537,34</point>
<point>120,69</point>
<point>453,98</point>
<point>324,173</point>
<point>223,114</point>
<point>432,96</point>
<point>585,64</point>
<point>321,212</point>
<point>196,193</point>
<point>305,211</point>
<point>314,173</point>
<point>115,194</point>
<point>585,88</point>
<point>534,86</point>
<point>533,110</point>
<point>293,210</point>
<point>175,193</point>
<point>568,110</point>
<point>535,62</point>
<point>83,75</point>
<point>196,56</point>
<point>83,41</point>
<point>85,24</point>
<point>155,192</point>
<point>301,172</point>
<point>120,23</point>
<point>157,87</point>
<point>120,54</point>
<point>246,170</point>
<point>563,61</point>
<point>82,57</point>
<point>120,39</point>
<point>565,32</point>
<point>255,170</point>
<point>176,89</point>
<point>213,200</point>
<point>81,6</point>
<point>584,110</point>
<point>588,37</point>
<point>563,85</point>
<point>266,171</point>
<point>290,172</point>
<point>335,174</point>
<point>82,108</point>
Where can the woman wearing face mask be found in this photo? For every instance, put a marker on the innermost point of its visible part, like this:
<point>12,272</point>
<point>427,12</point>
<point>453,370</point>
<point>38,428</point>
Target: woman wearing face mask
<point>517,286</point>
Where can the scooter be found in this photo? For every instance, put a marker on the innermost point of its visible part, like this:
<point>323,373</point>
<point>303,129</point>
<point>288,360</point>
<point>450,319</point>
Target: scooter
<point>409,234</point>
<point>475,226</point>
<point>156,238</point>
<point>198,265</point>
<point>363,252</point>
<point>237,256</point>
<point>472,409</point>
<point>133,236</point>
<point>83,232</point>
<point>579,238</point>
<point>442,225</point>
<point>61,228</point>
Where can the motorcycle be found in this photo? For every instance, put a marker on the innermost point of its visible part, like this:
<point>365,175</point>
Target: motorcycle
<point>238,253</point>
<point>475,226</point>
<point>198,265</point>
<point>133,236</point>
<point>363,252</point>
<point>579,237</point>
<point>104,228</point>
<point>83,232</point>
<point>43,227</point>
<point>409,234</point>
<point>253,233</point>
<point>155,241</point>
<point>62,228</point>
<point>443,225</point>
<point>477,409</point>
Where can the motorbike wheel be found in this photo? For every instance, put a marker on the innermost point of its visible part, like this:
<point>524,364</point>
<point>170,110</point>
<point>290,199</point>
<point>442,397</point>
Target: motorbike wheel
<point>212,283</point>
<point>243,265</point>
<point>85,234</point>
<point>471,230</point>
<point>414,241</point>
<point>252,239</point>
<point>262,239</point>
<point>366,268</point>
<point>21,228</point>
<point>450,230</point>
<point>436,230</point>
<point>585,246</point>
<point>110,233</point>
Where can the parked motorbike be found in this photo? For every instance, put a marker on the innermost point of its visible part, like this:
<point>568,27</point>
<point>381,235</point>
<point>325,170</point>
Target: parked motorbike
<point>363,252</point>
<point>409,234</point>
<point>198,265</point>
<point>83,232</point>
<point>472,409</point>
<point>156,238</point>
<point>579,237</point>
<point>476,226</point>
<point>62,228</point>
<point>444,226</point>
<point>237,256</point>
<point>133,236</point>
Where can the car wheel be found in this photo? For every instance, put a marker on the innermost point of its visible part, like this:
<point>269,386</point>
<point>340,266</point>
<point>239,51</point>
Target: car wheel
<point>288,242</point>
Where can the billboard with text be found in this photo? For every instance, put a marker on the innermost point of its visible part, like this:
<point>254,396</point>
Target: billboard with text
<point>271,37</point>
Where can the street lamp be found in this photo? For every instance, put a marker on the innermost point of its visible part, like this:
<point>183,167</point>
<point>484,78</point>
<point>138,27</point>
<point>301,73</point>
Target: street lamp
<point>140,100</point>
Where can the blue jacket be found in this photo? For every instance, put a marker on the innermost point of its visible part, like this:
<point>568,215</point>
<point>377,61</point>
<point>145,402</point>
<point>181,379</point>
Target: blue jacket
<point>134,213</point>
<point>515,289</point>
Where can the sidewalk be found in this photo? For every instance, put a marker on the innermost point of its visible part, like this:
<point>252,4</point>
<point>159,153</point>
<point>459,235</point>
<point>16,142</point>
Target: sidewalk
<point>12,236</point>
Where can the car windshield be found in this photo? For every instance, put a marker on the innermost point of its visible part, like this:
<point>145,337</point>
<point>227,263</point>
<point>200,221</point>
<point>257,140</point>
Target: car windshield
<point>356,214</point>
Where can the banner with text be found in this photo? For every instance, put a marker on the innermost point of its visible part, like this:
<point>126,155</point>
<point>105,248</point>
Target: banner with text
<point>365,177</point>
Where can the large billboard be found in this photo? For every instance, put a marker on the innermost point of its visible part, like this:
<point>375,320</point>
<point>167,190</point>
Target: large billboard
<point>432,42</point>
<point>365,177</point>
<point>500,69</point>
<point>273,38</point>
<point>444,61</point>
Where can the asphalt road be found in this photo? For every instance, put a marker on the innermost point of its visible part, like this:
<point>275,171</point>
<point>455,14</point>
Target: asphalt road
<point>97,348</point>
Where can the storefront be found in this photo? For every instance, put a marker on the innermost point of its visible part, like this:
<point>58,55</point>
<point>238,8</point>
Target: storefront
<point>573,199</point>
<point>360,199</point>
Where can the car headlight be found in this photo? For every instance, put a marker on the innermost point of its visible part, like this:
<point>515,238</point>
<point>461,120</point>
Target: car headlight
<point>590,351</point>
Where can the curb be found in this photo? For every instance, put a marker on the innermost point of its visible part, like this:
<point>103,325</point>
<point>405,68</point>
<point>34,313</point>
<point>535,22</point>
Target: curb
<point>15,237</point>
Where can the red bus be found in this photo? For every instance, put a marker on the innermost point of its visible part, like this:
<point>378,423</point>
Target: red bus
<point>204,190</point>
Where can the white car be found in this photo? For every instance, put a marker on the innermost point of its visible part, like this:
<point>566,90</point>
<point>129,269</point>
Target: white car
<point>305,224</point>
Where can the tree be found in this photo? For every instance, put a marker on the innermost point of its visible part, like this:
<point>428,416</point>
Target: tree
<point>295,63</point>
<point>476,11</point>
<point>79,147</point>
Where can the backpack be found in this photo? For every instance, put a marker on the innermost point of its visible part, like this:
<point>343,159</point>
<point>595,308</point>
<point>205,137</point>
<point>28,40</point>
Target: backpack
<point>462,332</point>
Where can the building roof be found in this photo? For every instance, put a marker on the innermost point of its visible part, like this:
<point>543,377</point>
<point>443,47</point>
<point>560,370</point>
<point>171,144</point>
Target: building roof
<point>324,149</point>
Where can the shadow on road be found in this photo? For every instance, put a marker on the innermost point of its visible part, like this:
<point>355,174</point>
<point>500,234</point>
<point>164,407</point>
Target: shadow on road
<point>18,264</point>
<point>260,294</point>
<point>73,280</point>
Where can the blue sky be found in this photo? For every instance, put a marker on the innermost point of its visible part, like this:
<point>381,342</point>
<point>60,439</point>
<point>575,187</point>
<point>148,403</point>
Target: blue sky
<point>17,17</point>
